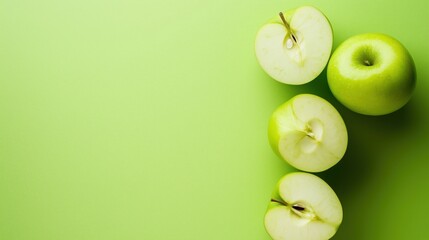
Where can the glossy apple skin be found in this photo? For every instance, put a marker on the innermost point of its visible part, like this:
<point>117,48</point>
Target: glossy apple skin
<point>372,74</point>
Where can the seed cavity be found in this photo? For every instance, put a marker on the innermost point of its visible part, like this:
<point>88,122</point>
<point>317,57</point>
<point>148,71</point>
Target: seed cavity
<point>298,208</point>
<point>303,211</point>
<point>289,43</point>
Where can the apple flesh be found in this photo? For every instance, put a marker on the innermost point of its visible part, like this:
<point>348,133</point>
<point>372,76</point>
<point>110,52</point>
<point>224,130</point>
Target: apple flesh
<point>308,133</point>
<point>372,74</point>
<point>294,48</point>
<point>303,207</point>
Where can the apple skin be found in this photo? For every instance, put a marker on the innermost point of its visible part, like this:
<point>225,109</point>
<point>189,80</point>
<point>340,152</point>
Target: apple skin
<point>372,74</point>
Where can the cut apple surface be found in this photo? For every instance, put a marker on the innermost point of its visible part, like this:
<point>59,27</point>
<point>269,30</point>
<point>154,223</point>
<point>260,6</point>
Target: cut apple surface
<point>295,47</point>
<point>308,133</point>
<point>303,207</point>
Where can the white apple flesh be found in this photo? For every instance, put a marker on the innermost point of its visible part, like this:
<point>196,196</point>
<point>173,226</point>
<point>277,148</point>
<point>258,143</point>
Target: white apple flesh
<point>303,207</point>
<point>308,133</point>
<point>295,47</point>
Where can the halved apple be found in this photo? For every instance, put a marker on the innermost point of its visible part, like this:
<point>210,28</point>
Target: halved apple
<point>294,48</point>
<point>308,133</point>
<point>303,207</point>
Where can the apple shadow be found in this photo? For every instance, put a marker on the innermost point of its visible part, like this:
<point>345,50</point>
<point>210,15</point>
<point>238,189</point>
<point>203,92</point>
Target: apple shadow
<point>369,138</point>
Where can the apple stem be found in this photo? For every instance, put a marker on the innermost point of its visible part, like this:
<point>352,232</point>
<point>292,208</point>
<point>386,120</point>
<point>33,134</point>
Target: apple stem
<point>279,201</point>
<point>368,63</point>
<point>287,27</point>
<point>311,135</point>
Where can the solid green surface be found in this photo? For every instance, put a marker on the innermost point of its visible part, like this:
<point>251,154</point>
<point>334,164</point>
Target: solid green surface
<point>148,120</point>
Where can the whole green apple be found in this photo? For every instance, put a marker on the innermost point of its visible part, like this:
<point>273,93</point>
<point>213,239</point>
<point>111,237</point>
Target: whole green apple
<point>372,74</point>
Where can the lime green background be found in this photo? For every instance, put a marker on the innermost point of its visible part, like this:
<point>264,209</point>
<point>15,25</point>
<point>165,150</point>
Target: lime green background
<point>147,120</point>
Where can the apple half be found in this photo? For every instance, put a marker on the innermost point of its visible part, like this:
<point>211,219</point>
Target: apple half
<point>294,48</point>
<point>303,207</point>
<point>308,133</point>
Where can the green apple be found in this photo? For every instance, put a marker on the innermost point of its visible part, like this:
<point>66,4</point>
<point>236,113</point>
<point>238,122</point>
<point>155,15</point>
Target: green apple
<point>295,47</point>
<point>303,207</point>
<point>372,74</point>
<point>308,133</point>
